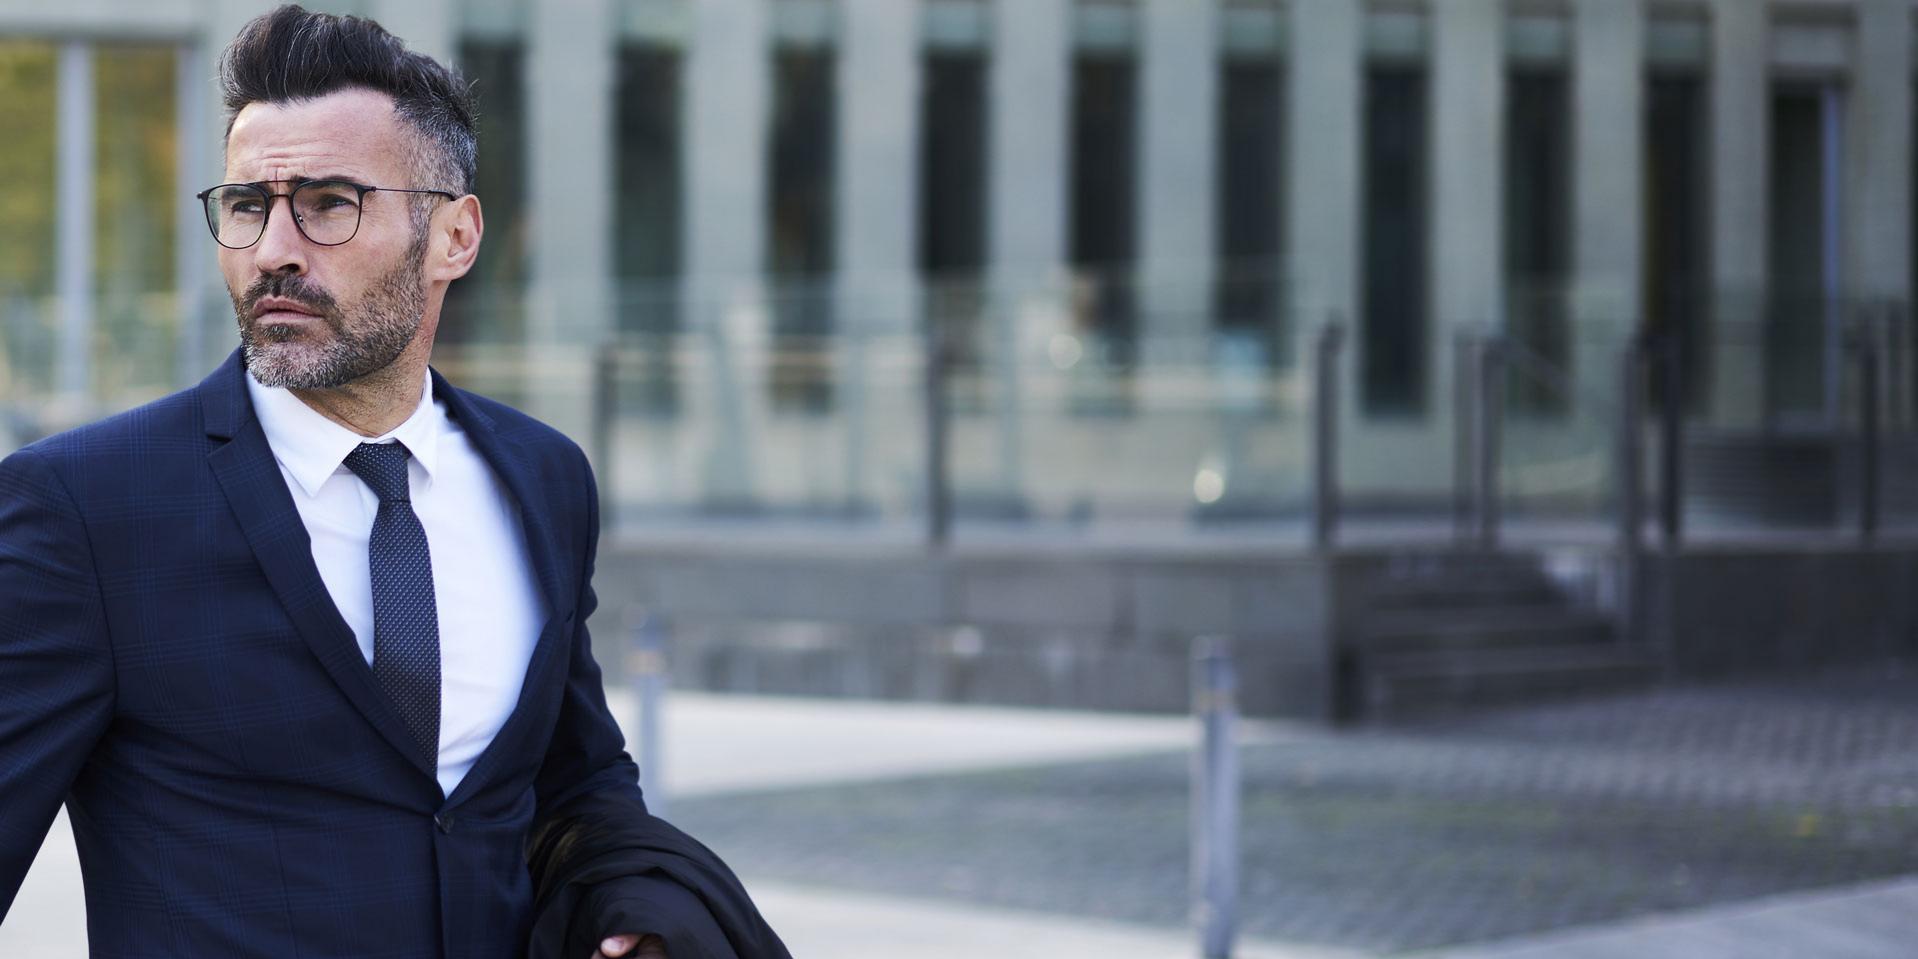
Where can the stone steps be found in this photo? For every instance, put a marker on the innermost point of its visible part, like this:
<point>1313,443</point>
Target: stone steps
<point>1404,685</point>
<point>1439,632</point>
<point>1470,627</point>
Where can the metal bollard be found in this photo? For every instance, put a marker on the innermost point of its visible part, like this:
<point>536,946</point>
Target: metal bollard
<point>1869,345</point>
<point>938,432</point>
<point>1215,798</point>
<point>1631,490</point>
<point>1325,434</point>
<point>646,668</point>
<point>1671,444</point>
<point>1464,421</point>
<point>605,416</point>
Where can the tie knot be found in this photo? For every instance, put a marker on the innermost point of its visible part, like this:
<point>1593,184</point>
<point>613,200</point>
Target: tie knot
<point>382,466</point>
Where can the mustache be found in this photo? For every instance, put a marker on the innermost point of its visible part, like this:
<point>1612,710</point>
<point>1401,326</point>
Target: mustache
<point>287,286</point>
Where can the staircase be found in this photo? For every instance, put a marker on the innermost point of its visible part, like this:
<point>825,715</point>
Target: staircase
<point>1439,632</point>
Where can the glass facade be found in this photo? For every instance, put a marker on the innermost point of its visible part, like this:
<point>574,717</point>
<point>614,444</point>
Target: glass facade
<point>756,329</point>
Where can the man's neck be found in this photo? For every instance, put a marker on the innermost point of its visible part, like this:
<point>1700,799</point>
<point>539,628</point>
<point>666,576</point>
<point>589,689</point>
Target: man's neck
<point>375,404</point>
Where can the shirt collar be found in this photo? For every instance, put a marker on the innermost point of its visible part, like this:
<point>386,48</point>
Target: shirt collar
<point>312,447</point>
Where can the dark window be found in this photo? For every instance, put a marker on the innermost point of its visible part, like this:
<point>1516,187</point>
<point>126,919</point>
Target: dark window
<point>1676,287</point>
<point>1392,341</point>
<point>800,246</point>
<point>1249,203</point>
<point>1538,228</point>
<point>1795,324</point>
<point>647,190</point>
<point>952,166</point>
<point>952,202</point>
<point>487,302</point>
<point>1104,118</point>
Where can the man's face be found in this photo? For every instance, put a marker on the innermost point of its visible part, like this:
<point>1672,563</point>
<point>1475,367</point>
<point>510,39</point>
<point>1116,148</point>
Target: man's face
<point>312,316</point>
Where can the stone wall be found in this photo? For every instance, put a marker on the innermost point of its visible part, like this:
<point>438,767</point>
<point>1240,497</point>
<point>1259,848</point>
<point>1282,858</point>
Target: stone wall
<point>1031,626</point>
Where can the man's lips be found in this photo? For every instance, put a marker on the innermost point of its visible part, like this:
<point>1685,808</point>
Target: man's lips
<point>281,308</point>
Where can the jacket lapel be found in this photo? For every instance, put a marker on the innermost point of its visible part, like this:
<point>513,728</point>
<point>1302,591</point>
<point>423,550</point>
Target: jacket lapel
<point>521,477</point>
<point>257,494</point>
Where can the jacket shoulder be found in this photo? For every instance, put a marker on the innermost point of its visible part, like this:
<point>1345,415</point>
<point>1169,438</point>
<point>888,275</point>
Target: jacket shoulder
<point>513,426</point>
<point>170,424</point>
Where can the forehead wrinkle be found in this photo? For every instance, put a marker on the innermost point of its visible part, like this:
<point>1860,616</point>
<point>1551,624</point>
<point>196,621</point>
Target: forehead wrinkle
<point>350,130</point>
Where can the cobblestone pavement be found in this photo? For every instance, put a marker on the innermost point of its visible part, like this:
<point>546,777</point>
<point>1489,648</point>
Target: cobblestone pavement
<point>1406,838</point>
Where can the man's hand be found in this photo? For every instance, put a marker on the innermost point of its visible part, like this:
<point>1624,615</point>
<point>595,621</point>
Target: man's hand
<point>631,947</point>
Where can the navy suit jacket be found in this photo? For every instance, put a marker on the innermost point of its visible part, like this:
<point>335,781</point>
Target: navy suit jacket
<point>174,670</point>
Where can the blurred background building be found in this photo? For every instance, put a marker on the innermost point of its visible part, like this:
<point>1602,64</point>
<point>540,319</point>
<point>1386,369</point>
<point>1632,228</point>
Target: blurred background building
<point>863,267</point>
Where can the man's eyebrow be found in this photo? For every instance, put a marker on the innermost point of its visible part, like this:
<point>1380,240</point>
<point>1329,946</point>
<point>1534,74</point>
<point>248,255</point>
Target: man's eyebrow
<point>298,181</point>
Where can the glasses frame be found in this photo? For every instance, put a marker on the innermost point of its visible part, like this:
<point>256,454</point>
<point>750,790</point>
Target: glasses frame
<point>268,195</point>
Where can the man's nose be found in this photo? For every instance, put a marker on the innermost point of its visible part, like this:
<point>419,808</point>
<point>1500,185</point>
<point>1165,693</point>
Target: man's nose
<point>281,249</point>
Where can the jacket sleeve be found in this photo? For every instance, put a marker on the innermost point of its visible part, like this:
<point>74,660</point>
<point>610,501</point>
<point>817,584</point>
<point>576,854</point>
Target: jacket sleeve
<point>597,857</point>
<point>587,754</point>
<point>603,870</point>
<point>56,669</point>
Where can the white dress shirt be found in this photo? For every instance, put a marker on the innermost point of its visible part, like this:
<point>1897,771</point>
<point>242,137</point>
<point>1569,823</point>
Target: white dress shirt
<point>490,611</point>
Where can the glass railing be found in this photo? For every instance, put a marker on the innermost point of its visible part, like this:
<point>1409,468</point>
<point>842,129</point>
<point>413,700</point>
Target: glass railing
<point>1105,408</point>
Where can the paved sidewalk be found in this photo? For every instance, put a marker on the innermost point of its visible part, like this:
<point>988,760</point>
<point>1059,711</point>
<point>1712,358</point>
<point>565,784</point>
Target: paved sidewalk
<point>1520,835</point>
<point>833,924</point>
<point>723,745</point>
<point>1873,921</point>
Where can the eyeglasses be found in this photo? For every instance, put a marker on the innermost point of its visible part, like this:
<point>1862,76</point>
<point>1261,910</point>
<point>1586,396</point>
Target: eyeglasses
<point>326,212</point>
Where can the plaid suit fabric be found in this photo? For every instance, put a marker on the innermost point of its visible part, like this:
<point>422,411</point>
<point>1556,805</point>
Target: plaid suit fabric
<point>172,667</point>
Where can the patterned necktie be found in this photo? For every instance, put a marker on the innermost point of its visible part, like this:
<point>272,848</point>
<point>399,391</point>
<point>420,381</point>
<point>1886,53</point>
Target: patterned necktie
<point>406,626</point>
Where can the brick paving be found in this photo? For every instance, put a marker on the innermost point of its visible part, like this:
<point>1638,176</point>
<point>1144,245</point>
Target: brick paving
<point>1412,837</point>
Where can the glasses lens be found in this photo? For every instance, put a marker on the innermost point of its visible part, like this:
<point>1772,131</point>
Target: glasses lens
<point>237,214</point>
<point>329,211</point>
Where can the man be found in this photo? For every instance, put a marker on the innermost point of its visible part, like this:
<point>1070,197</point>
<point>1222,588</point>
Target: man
<point>303,649</point>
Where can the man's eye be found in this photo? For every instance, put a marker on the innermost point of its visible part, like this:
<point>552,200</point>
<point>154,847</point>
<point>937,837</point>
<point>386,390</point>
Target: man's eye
<point>329,197</point>
<point>243,208</point>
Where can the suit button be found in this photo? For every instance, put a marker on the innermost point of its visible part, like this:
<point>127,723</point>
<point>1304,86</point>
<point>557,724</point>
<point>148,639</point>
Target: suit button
<point>445,823</point>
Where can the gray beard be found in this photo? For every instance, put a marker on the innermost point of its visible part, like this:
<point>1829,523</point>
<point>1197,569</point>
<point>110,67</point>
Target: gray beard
<point>381,326</point>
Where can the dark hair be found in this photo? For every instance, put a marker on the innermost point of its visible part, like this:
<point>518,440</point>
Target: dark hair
<point>293,54</point>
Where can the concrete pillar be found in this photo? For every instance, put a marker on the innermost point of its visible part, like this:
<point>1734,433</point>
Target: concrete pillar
<point>1740,176</point>
<point>1608,95</point>
<point>195,282</point>
<point>1468,159</point>
<point>223,22</point>
<point>569,78</point>
<point>877,219</point>
<point>1029,92</point>
<point>1178,148</point>
<point>427,26</point>
<point>1878,249</point>
<point>1325,170</point>
<point>727,111</point>
<point>725,141</point>
<point>878,143</point>
<point>73,226</point>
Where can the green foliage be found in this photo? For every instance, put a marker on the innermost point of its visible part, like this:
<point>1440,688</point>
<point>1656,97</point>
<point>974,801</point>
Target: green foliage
<point>135,165</point>
<point>26,165</point>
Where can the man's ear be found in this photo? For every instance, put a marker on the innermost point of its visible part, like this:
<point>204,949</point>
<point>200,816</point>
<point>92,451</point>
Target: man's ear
<point>456,239</point>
